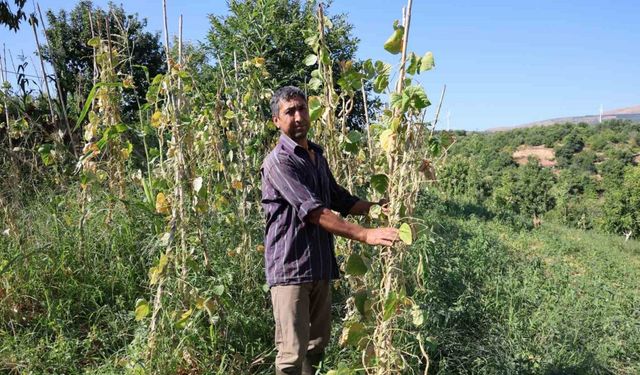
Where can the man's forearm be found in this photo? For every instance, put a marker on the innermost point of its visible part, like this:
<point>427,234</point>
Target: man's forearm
<point>335,224</point>
<point>361,208</point>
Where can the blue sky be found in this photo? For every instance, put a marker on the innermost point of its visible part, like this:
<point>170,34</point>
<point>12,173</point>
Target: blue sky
<point>504,62</point>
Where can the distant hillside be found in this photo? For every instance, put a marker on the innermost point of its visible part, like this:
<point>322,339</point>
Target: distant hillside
<point>629,113</point>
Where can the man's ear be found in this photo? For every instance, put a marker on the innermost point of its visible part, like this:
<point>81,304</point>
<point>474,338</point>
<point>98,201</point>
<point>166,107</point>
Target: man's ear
<point>275,121</point>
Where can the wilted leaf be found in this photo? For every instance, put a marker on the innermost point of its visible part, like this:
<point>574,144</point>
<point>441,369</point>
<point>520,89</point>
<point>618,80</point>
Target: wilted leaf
<point>162,204</point>
<point>352,333</point>
<point>142,309</point>
<point>184,318</point>
<point>156,119</point>
<point>405,234</point>
<point>375,211</point>
<point>197,184</point>
<point>417,316</point>
<point>386,139</point>
<point>355,266</point>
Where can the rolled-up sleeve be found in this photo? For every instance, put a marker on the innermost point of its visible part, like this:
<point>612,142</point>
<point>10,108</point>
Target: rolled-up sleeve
<point>341,200</point>
<point>293,184</point>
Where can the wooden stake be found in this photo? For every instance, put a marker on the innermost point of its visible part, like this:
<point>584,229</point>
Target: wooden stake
<point>44,71</point>
<point>63,106</point>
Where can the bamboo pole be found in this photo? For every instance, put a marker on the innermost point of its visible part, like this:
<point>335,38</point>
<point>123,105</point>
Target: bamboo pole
<point>93,35</point>
<point>63,106</point>
<point>42,67</point>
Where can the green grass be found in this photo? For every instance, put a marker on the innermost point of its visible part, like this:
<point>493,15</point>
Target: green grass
<point>499,296</point>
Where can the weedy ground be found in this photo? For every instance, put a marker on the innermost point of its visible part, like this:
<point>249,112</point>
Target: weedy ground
<point>499,297</point>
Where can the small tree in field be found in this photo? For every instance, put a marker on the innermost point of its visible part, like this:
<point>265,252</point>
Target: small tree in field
<point>526,190</point>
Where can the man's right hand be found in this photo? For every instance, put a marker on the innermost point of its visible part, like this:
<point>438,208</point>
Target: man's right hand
<point>380,236</point>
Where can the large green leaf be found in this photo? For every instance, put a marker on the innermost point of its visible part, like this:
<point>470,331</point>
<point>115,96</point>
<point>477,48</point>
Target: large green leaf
<point>315,108</point>
<point>355,266</point>
<point>394,43</point>
<point>380,183</point>
<point>405,234</point>
<point>311,60</point>
<point>315,84</point>
<point>362,302</point>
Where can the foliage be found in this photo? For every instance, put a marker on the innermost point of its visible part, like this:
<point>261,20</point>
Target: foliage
<point>10,17</point>
<point>275,30</point>
<point>526,190</point>
<point>72,55</point>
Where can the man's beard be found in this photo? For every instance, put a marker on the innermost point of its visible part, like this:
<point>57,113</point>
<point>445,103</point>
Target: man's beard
<point>300,133</point>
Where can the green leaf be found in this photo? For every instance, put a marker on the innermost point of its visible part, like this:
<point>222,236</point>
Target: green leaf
<point>90,97</point>
<point>218,290</point>
<point>94,42</point>
<point>315,108</point>
<point>414,64</point>
<point>390,306</point>
<point>414,97</point>
<point>311,60</point>
<point>405,234</point>
<point>229,115</point>
<point>368,69</point>
<point>315,84</point>
<point>380,83</point>
<point>427,62</point>
<point>355,266</point>
<point>380,183</point>
<point>393,45</point>
<point>362,302</point>
<point>142,309</point>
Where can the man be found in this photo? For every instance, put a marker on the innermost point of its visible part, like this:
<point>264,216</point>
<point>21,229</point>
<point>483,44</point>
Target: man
<point>299,193</point>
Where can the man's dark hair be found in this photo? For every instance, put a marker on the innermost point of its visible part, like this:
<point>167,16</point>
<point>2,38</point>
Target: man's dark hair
<point>285,93</point>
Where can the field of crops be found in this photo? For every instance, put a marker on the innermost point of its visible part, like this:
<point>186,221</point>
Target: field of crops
<point>132,226</point>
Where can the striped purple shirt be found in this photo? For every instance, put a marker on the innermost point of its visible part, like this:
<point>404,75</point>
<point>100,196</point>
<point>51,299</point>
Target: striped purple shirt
<point>297,251</point>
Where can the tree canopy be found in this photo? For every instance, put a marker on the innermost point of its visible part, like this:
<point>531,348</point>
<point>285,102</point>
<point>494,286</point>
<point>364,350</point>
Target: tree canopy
<point>11,17</point>
<point>72,57</point>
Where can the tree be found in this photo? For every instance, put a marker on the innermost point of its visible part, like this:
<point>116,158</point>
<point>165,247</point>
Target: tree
<point>526,190</point>
<point>72,57</point>
<point>10,17</point>
<point>621,210</point>
<point>274,30</point>
<point>573,144</point>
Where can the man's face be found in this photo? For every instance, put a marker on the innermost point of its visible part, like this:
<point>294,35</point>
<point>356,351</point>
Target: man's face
<point>293,118</point>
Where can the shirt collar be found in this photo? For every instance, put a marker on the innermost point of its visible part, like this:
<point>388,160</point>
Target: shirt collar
<point>290,145</point>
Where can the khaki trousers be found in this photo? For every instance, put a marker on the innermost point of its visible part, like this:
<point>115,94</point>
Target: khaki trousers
<point>303,325</point>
